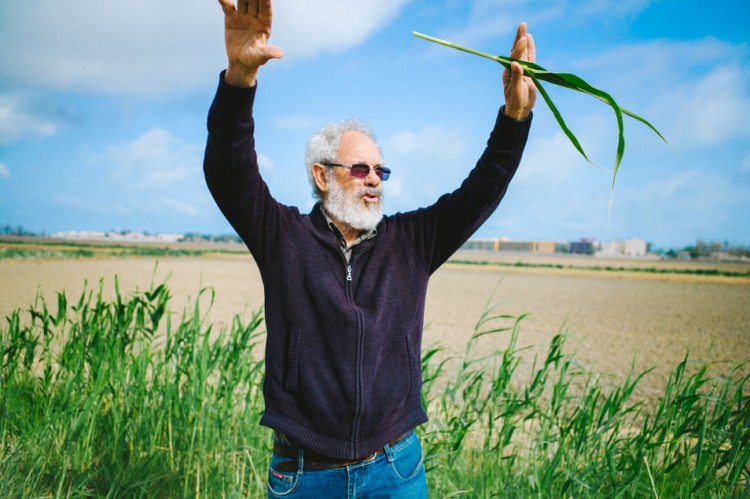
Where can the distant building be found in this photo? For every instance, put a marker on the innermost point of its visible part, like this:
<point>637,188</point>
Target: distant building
<point>528,246</point>
<point>582,247</point>
<point>633,248</point>
<point>506,245</point>
<point>80,235</point>
<point>123,236</point>
<point>482,244</point>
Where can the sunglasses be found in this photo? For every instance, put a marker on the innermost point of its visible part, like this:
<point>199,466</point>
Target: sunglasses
<point>361,170</point>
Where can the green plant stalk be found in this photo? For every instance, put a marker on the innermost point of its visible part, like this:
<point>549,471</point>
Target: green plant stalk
<point>566,80</point>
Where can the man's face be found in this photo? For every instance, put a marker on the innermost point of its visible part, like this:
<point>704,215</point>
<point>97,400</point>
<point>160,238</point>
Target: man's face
<point>355,201</point>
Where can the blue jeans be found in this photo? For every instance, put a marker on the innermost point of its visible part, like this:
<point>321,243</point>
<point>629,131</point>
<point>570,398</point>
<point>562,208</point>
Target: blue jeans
<point>397,472</point>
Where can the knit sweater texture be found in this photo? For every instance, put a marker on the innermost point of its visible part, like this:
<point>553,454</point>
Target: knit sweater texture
<point>343,370</point>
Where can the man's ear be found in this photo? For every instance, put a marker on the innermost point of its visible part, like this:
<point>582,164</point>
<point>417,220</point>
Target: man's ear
<point>319,174</point>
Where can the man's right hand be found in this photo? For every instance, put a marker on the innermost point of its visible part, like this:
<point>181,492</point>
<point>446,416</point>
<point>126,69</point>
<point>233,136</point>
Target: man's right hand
<point>247,28</point>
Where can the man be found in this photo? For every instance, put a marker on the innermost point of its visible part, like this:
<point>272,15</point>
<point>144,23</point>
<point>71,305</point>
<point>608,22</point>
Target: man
<point>345,286</point>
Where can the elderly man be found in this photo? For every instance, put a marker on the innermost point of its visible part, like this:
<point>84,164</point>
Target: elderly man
<point>344,285</point>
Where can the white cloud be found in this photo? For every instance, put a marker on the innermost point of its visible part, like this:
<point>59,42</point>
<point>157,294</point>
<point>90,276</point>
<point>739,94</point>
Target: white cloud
<point>305,29</point>
<point>709,110</point>
<point>144,47</point>
<point>696,92</point>
<point>4,171</point>
<point>120,47</point>
<point>154,161</point>
<point>19,118</point>
<point>431,143</point>
<point>157,175</point>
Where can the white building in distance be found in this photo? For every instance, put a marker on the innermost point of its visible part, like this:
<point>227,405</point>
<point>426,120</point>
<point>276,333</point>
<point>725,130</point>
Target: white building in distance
<point>120,236</point>
<point>632,248</point>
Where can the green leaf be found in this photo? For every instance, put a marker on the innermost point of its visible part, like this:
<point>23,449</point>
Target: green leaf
<point>558,117</point>
<point>567,80</point>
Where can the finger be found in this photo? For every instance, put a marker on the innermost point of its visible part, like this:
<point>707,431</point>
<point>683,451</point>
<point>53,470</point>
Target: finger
<point>252,8</point>
<point>520,49</point>
<point>520,34</point>
<point>531,48</point>
<point>265,12</point>
<point>227,6</point>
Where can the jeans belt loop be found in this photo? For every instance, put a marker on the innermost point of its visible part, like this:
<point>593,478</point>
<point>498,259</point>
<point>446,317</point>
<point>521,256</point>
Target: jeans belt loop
<point>389,452</point>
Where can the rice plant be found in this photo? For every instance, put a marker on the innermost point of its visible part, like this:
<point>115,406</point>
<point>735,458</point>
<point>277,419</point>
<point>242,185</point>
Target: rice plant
<point>125,398</point>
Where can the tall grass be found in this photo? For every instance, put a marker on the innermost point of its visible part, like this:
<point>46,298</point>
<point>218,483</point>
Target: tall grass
<point>113,399</point>
<point>562,432</point>
<point>123,398</point>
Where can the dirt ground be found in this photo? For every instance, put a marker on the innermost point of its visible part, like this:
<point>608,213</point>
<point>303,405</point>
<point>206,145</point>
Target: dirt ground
<point>614,319</point>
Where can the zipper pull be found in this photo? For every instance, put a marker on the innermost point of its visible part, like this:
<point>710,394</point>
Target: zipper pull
<point>349,273</point>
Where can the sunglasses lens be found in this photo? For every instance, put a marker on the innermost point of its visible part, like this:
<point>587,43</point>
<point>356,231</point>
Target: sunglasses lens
<point>360,171</point>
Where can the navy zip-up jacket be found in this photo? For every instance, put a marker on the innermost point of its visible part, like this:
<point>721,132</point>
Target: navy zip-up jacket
<point>343,341</point>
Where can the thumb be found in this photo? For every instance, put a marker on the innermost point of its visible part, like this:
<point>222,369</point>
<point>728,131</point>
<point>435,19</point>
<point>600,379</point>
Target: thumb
<point>273,52</point>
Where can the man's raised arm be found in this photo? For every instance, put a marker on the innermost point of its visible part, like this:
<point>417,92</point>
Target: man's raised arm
<point>247,27</point>
<point>230,164</point>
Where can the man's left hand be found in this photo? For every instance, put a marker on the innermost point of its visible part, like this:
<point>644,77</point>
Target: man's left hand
<point>520,91</point>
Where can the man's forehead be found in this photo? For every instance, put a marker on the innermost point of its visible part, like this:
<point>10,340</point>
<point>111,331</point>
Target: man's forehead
<point>358,146</point>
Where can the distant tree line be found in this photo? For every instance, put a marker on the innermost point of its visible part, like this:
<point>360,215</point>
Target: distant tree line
<point>16,230</point>
<point>710,249</point>
<point>213,238</point>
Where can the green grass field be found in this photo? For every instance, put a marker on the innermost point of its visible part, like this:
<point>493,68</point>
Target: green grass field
<point>126,398</point>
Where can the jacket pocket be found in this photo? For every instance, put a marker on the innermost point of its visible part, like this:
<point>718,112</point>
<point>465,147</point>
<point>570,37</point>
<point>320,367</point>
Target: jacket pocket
<point>292,371</point>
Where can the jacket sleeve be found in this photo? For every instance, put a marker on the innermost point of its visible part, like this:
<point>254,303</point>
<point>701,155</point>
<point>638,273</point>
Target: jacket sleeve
<point>231,169</point>
<point>440,229</point>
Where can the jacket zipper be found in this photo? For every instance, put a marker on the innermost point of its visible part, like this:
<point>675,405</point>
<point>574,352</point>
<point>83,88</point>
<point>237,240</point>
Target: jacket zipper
<point>358,395</point>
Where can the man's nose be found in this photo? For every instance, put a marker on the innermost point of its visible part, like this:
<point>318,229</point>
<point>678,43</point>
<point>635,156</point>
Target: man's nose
<point>372,178</point>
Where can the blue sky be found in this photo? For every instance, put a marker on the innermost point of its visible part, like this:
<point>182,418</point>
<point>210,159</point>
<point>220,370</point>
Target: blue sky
<point>103,108</point>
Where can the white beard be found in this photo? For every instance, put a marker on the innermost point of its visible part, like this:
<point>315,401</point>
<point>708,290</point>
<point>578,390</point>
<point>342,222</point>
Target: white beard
<point>349,210</point>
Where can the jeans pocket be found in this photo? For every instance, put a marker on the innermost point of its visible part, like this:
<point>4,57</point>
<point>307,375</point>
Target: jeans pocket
<point>281,483</point>
<point>406,461</point>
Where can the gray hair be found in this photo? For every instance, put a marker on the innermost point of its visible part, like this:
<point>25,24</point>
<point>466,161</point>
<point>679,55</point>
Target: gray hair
<point>323,146</point>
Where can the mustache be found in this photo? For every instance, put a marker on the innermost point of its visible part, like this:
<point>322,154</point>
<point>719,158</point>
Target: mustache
<point>373,191</point>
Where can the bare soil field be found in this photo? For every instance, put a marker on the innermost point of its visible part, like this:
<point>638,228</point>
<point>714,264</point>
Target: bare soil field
<point>614,320</point>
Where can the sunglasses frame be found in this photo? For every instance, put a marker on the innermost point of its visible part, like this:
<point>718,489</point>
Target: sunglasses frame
<point>382,172</point>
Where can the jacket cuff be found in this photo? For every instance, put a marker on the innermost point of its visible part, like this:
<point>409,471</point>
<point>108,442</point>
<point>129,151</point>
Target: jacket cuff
<point>509,132</point>
<point>232,102</point>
